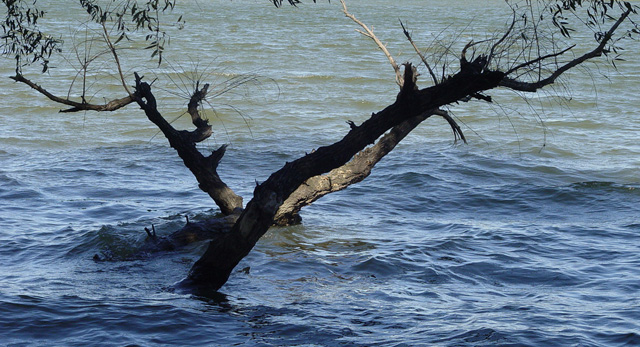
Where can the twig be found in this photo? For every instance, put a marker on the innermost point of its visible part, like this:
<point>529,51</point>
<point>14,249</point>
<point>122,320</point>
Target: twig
<point>369,33</point>
<point>115,56</point>
<point>422,57</point>
<point>151,233</point>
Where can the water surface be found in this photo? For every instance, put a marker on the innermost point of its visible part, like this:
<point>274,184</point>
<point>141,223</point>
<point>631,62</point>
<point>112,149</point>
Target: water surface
<point>528,236</point>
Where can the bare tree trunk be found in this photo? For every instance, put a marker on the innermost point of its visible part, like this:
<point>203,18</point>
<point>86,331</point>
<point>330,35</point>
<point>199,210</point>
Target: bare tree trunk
<point>528,65</point>
<point>212,270</point>
<point>352,172</point>
<point>340,178</point>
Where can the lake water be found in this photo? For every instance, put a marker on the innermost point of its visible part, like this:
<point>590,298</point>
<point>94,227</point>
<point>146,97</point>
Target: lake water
<point>527,236</point>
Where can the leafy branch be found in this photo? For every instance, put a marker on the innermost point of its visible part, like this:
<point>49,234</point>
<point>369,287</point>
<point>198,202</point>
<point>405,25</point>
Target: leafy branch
<point>22,38</point>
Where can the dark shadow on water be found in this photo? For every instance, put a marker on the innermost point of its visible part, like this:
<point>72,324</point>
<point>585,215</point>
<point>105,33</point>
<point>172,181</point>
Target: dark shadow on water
<point>202,293</point>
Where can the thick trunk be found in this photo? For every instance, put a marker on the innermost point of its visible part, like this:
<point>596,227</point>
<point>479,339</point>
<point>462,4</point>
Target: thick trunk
<point>212,270</point>
<point>340,178</point>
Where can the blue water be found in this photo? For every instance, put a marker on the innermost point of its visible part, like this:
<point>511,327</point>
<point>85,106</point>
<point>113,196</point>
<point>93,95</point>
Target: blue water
<point>527,236</point>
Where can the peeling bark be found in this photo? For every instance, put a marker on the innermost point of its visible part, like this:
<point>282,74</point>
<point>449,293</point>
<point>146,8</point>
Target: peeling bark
<point>340,178</point>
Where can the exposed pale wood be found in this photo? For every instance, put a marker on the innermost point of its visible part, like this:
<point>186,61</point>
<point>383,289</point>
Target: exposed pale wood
<point>369,33</point>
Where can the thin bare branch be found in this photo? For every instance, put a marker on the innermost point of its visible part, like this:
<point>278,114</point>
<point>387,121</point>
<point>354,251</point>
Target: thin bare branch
<point>422,57</point>
<point>369,33</point>
<point>470,44</point>
<point>112,48</point>
<point>504,37</point>
<point>75,106</point>
<point>539,59</point>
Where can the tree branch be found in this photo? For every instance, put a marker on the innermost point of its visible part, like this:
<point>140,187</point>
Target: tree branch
<point>539,59</point>
<point>203,129</point>
<point>369,33</point>
<point>75,106</point>
<point>184,142</point>
<point>112,48</point>
<point>340,178</point>
<point>422,57</point>
<point>504,37</point>
<point>354,171</point>
<point>596,52</point>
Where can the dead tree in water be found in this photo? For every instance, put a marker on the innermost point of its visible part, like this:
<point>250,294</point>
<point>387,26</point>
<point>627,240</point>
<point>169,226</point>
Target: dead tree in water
<point>525,57</point>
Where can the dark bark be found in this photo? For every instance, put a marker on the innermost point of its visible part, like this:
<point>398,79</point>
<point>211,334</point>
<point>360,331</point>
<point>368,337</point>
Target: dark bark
<point>75,105</point>
<point>208,229</point>
<point>340,178</point>
<point>354,171</point>
<point>212,270</point>
<point>184,142</point>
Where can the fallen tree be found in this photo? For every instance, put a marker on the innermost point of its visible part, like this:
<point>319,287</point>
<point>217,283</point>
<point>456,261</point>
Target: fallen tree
<point>527,56</point>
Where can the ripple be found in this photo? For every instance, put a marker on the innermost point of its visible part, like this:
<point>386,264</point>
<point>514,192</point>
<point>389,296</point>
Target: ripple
<point>526,237</point>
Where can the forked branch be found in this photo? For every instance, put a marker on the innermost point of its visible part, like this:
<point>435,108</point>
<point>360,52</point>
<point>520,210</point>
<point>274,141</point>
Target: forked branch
<point>203,129</point>
<point>184,142</point>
